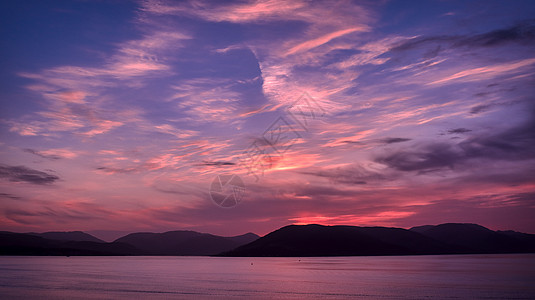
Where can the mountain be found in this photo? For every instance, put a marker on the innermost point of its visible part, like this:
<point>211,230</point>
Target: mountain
<point>519,235</point>
<point>77,236</point>
<point>473,238</point>
<point>412,242</point>
<point>184,242</point>
<point>244,238</point>
<point>80,243</point>
<point>319,240</point>
<point>292,240</point>
<point>29,244</point>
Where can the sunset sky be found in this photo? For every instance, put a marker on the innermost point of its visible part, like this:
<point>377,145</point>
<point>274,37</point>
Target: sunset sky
<point>116,116</point>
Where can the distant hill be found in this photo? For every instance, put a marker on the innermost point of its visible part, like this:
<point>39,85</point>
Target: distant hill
<point>292,240</point>
<point>473,238</point>
<point>29,244</point>
<point>244,238</point>
<point>316,240</point>
<point>80,243</point>
<point>184,242</point>
<point>319,240</point>
<point>77,236</point>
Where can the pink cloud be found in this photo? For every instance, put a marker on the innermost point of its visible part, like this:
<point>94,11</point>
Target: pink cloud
<point>305,46</point>
<point>178,133</point>
<point>101,127</point>
<point>207,100</point>
<point>251,11</point>
<point>68,88</point>
<point>58,153</point>
<point>487,72</point>
<point>71,96</point>
<point>25,129</point>
<point>359,136</point>
<point>370,53</point>
<point>384,218</point>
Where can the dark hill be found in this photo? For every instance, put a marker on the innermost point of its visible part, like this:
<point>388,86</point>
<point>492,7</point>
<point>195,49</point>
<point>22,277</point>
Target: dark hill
<point>184,242</point>
<point>473,238</point>
<point>77,236</point>
<point>318,240</point>
<point>244,238</point>
<point>293,240</point>
<point>414,242</point>
<point>28,244</point>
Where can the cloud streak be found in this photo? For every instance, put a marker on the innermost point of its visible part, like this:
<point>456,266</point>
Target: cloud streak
<point>25,174</point>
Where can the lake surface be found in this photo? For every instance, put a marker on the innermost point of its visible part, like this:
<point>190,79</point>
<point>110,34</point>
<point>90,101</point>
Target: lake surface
<point>509,276</point>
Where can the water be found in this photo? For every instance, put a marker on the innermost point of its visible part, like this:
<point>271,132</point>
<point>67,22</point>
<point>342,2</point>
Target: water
<point>396,277</point>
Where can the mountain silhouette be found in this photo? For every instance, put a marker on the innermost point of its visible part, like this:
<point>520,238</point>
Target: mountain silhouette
<point>316,240</point>
<point>473,238</point>
<point>30,244</point>
<point>292,240</point>
<point>143,243</point>
<point>184,242</point>
<point>78,236</point>
<point>320,240</point>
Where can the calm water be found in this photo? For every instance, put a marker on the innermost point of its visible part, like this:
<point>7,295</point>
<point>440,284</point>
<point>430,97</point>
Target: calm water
<point>399,277</point>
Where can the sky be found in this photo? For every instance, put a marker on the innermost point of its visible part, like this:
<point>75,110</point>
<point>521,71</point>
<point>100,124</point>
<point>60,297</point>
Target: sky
<point>125,116</point>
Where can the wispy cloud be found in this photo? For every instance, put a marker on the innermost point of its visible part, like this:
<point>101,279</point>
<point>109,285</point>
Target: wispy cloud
<point>250,11</point>
<point>207,100</point>
<point>53,154</point>
<point>25,174</point>
<point>486,72</point>
<point>75,94</point>
<point>316,42</point>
